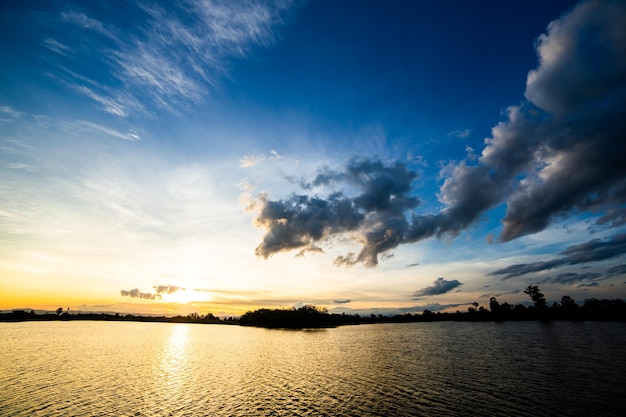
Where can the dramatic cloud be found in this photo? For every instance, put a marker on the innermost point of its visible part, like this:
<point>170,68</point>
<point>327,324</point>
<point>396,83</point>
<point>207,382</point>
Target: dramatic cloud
<point>544,160</point>
<point>593,251</point>
<point>440,286</point>
<point>561,152</point>
<point>376,214</point>
<point>135,293</point>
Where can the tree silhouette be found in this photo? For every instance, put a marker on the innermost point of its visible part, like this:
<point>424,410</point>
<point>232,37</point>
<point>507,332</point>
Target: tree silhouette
<point>539,300</point>
<point>59,311</point>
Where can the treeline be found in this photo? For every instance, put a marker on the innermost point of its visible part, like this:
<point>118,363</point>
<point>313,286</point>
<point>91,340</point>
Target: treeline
<point>313,317</point>
<point>23,315</point>
<point>310,316</point>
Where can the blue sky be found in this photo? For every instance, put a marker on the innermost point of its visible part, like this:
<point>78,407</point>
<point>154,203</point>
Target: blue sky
<point>363,156</point>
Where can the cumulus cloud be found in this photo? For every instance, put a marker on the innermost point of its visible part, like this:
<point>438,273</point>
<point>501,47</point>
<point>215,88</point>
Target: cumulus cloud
<point>440,286</point>
<point>592,251</point>
<point>159,290</point>
<point>135,293</point>
<point>558,153</point>
<point>376,213</point>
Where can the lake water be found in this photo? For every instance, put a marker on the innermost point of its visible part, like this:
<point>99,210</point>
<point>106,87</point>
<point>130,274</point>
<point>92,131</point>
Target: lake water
<point>414,369</point>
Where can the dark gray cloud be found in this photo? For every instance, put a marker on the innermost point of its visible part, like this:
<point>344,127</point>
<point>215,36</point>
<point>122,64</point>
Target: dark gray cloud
<point>342,301</point>
<point>376,213</point>
<point>558,153</point>
<point>616,270</point>
<point>613,217</point>
<point>545,160</point>
<point>440,286</point>
<point>498,294</point>
<point>590,284</point>
<point>135,293</point>
<point>592,251</point>
<point>574,278</point>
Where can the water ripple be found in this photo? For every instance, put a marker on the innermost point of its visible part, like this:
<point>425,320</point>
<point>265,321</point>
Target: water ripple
<point>433,369</point>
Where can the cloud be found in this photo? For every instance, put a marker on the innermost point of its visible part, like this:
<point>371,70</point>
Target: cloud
<point>592,251</point>
<point>251,160</point>
<point>176,55</point>
<point>616,270</point>
<point>375,214</point>
<point>440,286</point>
<point>461,133</point>
<point>159,289</point>
<point>498,294</point>
<point>167,289</point>
<point>85,22</point>
<point>56,46</point>
<point>572,277</point>
<point>342,301</point>
<point>135,293</point>
<point>109,104</point>
<point>614,217</point>
<point>558,153</point>
<point>579,89</point>
<point>10,112</point>
<point>83,125</point>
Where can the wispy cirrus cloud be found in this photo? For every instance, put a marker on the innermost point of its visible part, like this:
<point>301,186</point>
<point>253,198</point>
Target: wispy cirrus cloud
<point>83,125</point>
<point>461,133</point>
<point>248,161</point>
<point>86,23</point>
<point>174,55</point>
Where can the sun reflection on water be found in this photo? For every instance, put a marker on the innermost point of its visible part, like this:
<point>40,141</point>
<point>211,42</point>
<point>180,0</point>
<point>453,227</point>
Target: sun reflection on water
<point>173,366</point>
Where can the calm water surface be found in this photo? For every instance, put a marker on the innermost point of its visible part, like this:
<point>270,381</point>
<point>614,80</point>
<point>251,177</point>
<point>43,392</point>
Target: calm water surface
<point>415,369</point>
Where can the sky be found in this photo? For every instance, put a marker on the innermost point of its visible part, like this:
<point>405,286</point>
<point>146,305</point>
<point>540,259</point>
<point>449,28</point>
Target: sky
<point>362,156</point>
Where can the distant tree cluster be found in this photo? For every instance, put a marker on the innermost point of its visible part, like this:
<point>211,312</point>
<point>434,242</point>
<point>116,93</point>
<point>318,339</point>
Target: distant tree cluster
<point>567,309</point>
<point>310,316</point>
<point>23,315</point>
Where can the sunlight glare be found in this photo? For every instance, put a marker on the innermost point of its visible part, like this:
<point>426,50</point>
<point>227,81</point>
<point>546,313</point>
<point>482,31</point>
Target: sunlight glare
<point>186,296</point>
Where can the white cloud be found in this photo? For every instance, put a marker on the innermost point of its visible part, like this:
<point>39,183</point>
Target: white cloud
<point>461,133</point>
<point>178,54</point>
<point>10,112</point>
<point>85,22</point>
<point>56,46</point>
<point>109,105</point>
<point>83,125</point>
<point>251,160</point>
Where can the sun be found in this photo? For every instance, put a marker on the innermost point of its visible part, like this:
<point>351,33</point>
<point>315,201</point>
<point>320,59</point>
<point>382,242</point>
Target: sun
<point>185,296</point>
